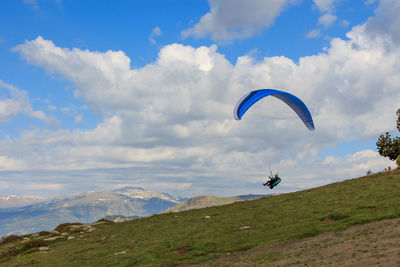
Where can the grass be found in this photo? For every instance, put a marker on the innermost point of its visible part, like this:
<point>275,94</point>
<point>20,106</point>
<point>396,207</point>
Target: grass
<point>196,236</point>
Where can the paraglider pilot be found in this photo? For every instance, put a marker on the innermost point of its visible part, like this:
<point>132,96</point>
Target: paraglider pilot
<point>273,181</point>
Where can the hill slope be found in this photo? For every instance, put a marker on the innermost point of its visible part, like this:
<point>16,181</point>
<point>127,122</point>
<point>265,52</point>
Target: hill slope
<point>196,236</point>
<point>370,244</point>
<point>206,201</point>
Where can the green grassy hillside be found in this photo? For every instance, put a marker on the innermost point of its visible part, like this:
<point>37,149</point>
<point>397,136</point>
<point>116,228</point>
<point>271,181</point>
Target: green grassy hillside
<point>201,202</point>
<point>206,201</point>
<point>199,235</point>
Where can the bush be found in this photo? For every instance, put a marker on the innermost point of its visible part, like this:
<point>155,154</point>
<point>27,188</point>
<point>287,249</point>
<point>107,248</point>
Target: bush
<point>104,220</point>
<point>36,243</point>
<point>334,217</point>
<point>8,239</point>
<point>44,233</point>
<point>64,227</point>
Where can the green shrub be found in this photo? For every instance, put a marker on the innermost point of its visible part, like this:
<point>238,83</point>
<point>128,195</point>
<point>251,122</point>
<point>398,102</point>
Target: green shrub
<point>334,217</point>
<point>64,227</point>
<point>36,243</point>
<point>8,239</point>
<point>44,233</point>
<point>104,220</point>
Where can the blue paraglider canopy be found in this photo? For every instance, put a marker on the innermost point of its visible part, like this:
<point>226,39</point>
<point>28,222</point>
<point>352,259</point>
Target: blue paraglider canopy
<point>292,101</point>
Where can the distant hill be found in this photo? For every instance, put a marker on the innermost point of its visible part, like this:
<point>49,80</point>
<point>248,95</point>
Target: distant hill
<point>209,201</point>
<point>82,207</point>
<point>18,201</point>
<point>120,218</point>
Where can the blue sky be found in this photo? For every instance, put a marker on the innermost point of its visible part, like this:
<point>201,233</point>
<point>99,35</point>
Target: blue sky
<point>101,94</point>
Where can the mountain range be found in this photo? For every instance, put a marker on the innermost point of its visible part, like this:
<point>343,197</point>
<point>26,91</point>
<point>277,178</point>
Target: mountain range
<point>18,201</point>
<point>46,214</point>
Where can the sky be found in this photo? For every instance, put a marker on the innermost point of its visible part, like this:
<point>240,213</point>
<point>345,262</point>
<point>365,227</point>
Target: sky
<point>97,95</point>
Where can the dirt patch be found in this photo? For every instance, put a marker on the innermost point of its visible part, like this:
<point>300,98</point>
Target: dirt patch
<point>182,250</point>
<point>327,220</point>
<point>372,244</point>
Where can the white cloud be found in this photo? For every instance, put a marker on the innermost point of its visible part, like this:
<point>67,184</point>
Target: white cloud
<point>154,33</point>
<point>331,169</point>
<point>78,118</point>
<point>7,163</point>
<point>4,185</point>
<point>324,5</point>
<point>170,122</point>
<point>15,102</point>
<point>236,19</point>
<point>345,23</point>
<point>356,163</point>
<point>65,110</point>
<point>44,187</point>
<point>327,20</point>
<point>386,22</point>
<point>314,33</point>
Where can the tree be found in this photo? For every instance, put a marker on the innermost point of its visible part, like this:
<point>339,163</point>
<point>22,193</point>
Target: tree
<point>398,119</point>
<point>388,146</point>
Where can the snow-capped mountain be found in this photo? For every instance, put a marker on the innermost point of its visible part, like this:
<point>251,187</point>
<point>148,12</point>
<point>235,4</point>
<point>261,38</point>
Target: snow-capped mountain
<point>82,207</point>
<point>18,201</point>
<point>138,192</point>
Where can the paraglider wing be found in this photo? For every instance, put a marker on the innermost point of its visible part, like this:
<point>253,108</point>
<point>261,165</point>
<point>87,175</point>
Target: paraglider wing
<point>292,101</point>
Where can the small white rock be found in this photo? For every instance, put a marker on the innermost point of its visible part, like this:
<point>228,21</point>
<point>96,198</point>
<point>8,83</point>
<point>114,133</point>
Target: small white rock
<point>119,253</point>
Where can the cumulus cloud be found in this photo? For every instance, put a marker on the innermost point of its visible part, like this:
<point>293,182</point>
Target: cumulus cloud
<point>386,22</point>
<point>154,33</point>
<point>332,169</point>
<point>327,20</point>
<point>170,122</point>
<point>7,163</point>
<point>44,187</point>
<point>314,33</point>
<point>345,22</point>
<point>324,5</point>
<point>236,19</point>
<point>15,102</point>
<point>78,118</point>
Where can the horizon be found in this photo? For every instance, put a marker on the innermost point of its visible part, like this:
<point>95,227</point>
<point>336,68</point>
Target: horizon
<point>98,96</point>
